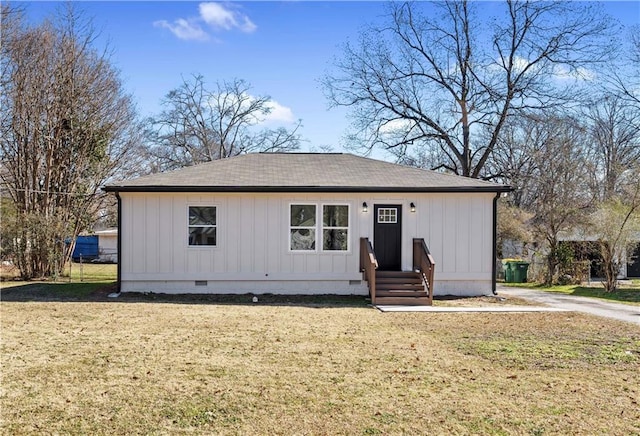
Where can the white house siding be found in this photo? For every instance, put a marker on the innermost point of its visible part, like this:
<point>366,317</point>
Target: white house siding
<point>252,252</point>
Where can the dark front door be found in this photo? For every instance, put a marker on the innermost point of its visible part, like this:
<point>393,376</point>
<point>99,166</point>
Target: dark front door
<point>387,236</point>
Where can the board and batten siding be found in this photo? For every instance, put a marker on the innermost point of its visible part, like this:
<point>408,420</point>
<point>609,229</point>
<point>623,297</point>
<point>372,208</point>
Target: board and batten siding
<point>252,252</point>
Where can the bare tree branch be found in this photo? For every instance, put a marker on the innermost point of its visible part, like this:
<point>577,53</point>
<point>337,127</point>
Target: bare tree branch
<point>614,127</point>
<point>199,125</point>
<point>427,82</point>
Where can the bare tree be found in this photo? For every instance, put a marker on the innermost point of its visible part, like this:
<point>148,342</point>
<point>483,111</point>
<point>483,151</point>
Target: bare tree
<point>616,224</point>
<point>624,75</point>
<point>66,127</point>
<point>431,81</point>
<point>614,127</point>
<point>513,226</point>
<point>518,156</point>
<point>564,170</point>
<point>201,125</point>
<point>558,197</point>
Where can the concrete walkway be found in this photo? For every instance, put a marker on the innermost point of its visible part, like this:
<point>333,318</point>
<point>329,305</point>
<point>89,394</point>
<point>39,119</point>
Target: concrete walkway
<point>469,309</point>
<point>593,306</point>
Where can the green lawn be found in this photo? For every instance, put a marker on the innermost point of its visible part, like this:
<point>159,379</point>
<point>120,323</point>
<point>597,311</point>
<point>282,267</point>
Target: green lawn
<point>624,294</point>
<point>84,280</point>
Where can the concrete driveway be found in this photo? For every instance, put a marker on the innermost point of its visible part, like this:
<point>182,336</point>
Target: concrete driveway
<point>593,306</point>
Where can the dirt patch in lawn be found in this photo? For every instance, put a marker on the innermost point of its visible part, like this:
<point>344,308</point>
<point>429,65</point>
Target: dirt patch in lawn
<point>136,367</point>
<point>483,301</point>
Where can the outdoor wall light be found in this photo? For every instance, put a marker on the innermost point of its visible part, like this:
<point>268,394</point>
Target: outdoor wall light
<point>413,207</point>
<point>365,208</point>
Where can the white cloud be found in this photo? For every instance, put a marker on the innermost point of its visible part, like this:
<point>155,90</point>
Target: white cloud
<point>227,17</point>
<point>217,16</point>
<point>396,126</point>
<point>279,113</point>
<point>559,72</point>
<point>580,74</point>
<point>183,29</point>
<point>519,64</point>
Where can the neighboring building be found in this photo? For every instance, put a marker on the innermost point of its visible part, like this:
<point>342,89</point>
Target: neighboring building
<point>107,245</point>
<point>293,223</point>
<point>585,248</point>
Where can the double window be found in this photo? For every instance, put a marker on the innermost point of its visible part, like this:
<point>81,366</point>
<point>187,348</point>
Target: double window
<point>202,225</point>
<point>333,229</point>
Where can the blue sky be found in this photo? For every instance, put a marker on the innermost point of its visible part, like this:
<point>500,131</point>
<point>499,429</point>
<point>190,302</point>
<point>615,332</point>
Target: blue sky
<point>281,48</point>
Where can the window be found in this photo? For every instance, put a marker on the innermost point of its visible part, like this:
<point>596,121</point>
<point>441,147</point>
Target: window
<point>202,225</point>
<point>335,227</point>
<point>302,227</point>
<point>333,231</point>
<point>387,215</point>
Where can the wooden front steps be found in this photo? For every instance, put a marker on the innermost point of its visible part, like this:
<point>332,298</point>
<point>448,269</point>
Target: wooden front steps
<point>400,288</point>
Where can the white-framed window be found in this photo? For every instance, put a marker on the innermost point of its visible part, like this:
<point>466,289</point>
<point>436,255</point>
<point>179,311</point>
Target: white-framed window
<point>302,227</point>
<point>203,226</point>
<point>387,215</point>
<point>335,227</point>
<point>313,226</point>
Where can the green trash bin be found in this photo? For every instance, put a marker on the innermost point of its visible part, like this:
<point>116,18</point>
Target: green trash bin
<point>508,271</point>
<point>519,271</point>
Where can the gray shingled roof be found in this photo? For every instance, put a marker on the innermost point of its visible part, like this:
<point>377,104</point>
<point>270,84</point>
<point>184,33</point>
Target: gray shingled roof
<point>303,172</point>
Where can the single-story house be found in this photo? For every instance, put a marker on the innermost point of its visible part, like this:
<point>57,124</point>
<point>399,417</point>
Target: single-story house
<point>307,223</point>
<point>585,247</point>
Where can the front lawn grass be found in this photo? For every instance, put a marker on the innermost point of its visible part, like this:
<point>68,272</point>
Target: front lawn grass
<point>624,293</point>
<point>73,273</point>
<point>128,367</point>
<point>83,281</point>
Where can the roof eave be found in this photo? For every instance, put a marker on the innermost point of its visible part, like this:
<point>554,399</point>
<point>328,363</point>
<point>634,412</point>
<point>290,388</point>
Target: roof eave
<point>318,189</point>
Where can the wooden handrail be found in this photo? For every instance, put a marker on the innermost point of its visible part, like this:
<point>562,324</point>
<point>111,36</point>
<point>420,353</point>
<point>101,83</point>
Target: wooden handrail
<point>368,265</point>
<point>424,263</point>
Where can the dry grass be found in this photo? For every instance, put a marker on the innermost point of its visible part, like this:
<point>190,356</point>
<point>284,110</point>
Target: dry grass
<point>626,293</point>
<point>166,368</point>
<point>486,301</point>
